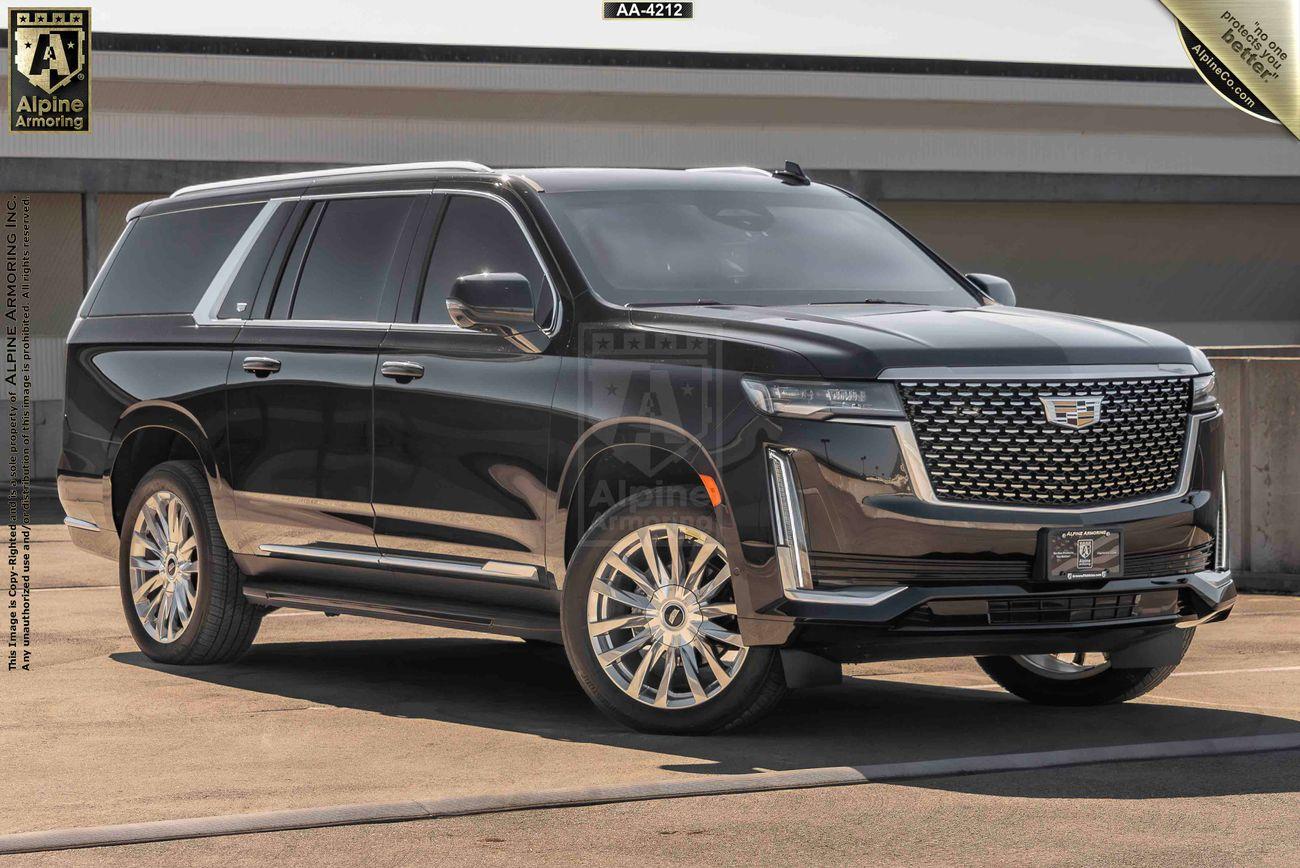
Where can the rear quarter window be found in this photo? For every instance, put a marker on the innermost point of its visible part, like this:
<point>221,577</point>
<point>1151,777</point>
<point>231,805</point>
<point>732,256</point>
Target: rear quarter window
<point>167,261</point>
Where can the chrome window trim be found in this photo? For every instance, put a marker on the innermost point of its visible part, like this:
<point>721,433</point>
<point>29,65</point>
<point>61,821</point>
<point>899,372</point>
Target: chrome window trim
<point>351,325</point>
<point>1042,373</point>
<point>920,479</point>
<point>366,194</point>
<point>215,295</point>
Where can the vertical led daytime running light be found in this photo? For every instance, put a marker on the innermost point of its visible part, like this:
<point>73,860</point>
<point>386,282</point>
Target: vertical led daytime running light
<point>787,523</point>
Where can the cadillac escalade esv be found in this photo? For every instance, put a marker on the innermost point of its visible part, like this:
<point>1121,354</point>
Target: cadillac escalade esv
<point>716,431</point>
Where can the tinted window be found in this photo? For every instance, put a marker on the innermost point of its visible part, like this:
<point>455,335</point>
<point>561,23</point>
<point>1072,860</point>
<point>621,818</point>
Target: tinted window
<point>478,235</point>
<point>166,262</point>
<point>788,245</point>
<point>243,289</point>
<point>352,252</point>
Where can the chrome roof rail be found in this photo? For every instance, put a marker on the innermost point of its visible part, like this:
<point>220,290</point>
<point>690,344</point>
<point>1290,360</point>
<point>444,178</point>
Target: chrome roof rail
<point>740,170</point>
<point>446,166</point>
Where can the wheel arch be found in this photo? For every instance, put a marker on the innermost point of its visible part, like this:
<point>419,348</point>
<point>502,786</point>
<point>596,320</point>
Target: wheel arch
<point>146,436</point>
<point>617,459</point>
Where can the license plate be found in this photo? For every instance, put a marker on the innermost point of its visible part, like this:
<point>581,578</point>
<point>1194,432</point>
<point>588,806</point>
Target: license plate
<point>1084,553</point>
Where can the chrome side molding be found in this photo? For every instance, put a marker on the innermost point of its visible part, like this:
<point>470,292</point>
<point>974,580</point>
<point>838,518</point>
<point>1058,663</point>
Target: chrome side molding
<point>493,570</point>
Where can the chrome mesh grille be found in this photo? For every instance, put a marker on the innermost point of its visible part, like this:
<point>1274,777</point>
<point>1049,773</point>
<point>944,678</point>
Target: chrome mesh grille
<point>990,442</point>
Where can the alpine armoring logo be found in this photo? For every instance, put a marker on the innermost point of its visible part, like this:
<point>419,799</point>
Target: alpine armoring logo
<point>49,70</point>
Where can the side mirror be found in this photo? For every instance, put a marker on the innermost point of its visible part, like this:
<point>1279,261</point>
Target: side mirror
<point>997,288</point>
<point>499,303</point>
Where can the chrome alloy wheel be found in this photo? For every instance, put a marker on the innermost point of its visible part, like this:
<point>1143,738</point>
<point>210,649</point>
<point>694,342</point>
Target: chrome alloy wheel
<point>662,618</point>
<point>164,568</point>
<point>1065,667</point>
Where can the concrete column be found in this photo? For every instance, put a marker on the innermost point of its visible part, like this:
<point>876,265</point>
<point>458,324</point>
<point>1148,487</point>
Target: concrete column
<point>1261,396</point>
<point>89,238</point>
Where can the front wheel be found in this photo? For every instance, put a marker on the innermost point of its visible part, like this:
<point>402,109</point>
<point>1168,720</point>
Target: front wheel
<point>650,624</point>
<point>1075,678</point>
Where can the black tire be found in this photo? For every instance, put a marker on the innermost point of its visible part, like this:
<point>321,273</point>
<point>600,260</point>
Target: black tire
<point>1105,687</point>
<point>224,621</point>
<point>754,690</point>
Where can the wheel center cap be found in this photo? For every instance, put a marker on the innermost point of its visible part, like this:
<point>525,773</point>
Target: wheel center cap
<point>678,615</point>
<point>170,568</point>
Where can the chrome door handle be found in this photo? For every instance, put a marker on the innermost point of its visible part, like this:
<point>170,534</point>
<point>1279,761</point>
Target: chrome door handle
<point>261,366</point>
<point>402,372</point>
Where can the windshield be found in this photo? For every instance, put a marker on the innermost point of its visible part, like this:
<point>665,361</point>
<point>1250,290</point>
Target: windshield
<point>791,245</point>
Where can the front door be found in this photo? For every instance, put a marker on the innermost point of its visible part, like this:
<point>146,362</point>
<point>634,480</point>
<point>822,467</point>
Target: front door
<point>300,388</point>
<point>462,421</point>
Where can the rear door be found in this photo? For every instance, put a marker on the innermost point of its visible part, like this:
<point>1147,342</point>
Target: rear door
<point>461,447</point>
<point>300,384</point>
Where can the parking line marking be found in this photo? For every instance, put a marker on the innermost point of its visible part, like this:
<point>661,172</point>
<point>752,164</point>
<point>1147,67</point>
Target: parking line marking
<point>711,785</point>
<point>1238,671</point>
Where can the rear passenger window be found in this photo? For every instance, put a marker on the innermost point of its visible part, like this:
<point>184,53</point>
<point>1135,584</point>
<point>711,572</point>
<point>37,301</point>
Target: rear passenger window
<point>351,255</point>
<point>166,262</point>
<point>478,235</point>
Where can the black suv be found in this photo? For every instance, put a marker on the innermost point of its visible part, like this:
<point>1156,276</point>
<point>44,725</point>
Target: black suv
<point>716,431</point>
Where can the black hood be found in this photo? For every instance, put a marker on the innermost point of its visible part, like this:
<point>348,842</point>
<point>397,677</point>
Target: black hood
<point>854,341</point>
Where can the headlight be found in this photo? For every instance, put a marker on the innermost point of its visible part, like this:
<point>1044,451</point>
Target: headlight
<point>1203,392</point>
<point>808,400</point>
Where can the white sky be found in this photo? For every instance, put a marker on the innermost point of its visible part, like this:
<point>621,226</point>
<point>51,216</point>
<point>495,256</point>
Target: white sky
<point>1113,32</point>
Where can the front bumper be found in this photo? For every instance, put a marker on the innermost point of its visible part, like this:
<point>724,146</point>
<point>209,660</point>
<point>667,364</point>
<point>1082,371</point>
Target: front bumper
<point>883,570</point>
<point>972,620</point>
<point>1201,597</point>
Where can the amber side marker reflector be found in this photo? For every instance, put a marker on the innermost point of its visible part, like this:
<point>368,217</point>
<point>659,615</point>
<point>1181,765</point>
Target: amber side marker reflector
<point>711,486</point>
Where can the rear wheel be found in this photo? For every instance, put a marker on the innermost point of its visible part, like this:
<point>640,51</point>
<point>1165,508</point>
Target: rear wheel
<point>650,623</point>
<point>1081,678</point>
<point>181,591</point>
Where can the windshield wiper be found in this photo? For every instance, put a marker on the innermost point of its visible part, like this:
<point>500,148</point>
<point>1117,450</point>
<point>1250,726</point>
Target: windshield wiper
<point>700,301</point>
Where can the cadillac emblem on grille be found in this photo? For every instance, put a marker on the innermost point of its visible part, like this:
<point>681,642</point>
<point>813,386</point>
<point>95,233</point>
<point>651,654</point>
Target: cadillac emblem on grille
<point>1069,411</point>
